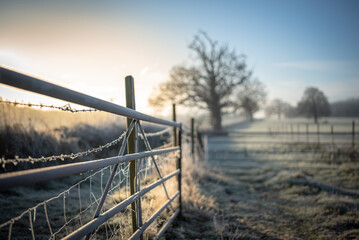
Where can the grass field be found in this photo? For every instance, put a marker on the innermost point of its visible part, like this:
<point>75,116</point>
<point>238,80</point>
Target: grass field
<point>264,186</point>
<point>272,187</point>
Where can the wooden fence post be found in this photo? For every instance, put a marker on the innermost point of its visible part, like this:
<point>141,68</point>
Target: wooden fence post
<point>175,143</point>
<point>307,132</point>
<point>192,138</point>
<point>200,146</point>
<point>353,135</point>
<point>318,140</point>
<point>332,133</point>
<point>178,142</point>
<point>131,145</point>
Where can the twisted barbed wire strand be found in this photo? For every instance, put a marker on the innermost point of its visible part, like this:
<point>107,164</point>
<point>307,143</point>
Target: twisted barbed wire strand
<point>67,107</point>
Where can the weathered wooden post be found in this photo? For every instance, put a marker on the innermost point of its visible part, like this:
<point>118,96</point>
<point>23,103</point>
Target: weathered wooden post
<point>175,143</point>
<point>353,136</point>
<point>205,147</point>
<point>318,140</point>
<point>131,146</point>
<point>178,142</point>
<point>332,133</point>
<point>307,132</point>
<point>192,138</point>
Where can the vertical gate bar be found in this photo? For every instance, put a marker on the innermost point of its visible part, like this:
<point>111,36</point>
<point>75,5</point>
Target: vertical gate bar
<point>131,145</point>
<point>177,142</point>
<point>138,202</point>
<point>179,160</point>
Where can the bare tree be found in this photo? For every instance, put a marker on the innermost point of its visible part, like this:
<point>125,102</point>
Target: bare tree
<point>251,97</point>
<point>279,108</point>
<point>314,104</point>
<point>209,83</point>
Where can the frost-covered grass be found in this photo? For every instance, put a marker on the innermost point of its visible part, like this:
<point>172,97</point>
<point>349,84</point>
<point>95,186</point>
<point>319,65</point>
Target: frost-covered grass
<point>30,132</point>
<point>252,187</point>
<point>272,187</point>
<point>84,199</point>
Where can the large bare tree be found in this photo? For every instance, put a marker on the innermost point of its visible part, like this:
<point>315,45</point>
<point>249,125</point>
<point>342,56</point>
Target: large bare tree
<point>209,82</point>
<point>314,104</point>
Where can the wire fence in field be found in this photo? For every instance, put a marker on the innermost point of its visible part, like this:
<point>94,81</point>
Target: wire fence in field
<point>79,201</point>
<point>61,157</point>
<point>274,133</point>
<point>55,213</point>
<point>72,156</point>
<point>141,190</point>
<point>334,142</point>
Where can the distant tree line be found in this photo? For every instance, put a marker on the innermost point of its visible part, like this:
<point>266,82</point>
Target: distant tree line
<point>314,104</point>
<point>345,108</point>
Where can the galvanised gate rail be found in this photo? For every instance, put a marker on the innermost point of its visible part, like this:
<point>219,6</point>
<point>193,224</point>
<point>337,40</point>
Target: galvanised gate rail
<point>19,178</point>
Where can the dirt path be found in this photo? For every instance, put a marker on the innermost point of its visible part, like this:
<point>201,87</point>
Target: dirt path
<point>248,207</point>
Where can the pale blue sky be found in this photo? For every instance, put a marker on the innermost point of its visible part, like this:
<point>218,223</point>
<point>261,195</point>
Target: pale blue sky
<point>91,46</point>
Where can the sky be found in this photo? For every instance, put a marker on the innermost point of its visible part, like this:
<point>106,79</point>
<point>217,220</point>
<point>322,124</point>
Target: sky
<point>90,46</point>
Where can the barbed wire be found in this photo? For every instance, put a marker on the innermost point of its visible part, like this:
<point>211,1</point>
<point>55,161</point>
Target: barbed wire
<point>72,156</point>
<point>67,107</point>
<point>147,167</point>
<point>62,157</point>
<point>159,133</point>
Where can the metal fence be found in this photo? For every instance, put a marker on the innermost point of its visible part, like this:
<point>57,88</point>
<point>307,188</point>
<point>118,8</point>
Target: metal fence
<point>283,139</point>
<point>113,164</point>
<point>339,139</point>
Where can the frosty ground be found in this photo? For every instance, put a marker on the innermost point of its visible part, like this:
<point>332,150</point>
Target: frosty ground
<point>272,187</point>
